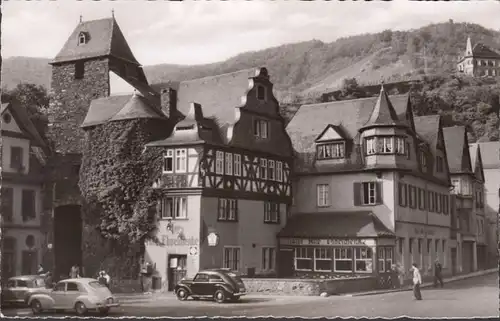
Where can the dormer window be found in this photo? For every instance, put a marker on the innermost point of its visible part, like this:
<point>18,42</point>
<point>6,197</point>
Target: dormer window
<point>332,150</point>
<point>261,92</point>
<point>82,38</point>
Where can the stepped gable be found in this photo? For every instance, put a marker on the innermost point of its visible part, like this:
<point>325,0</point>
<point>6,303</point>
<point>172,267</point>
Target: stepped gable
<point>104,39</point>
<point>482,51</point>
<point>120,107</point>
<point>455,139</point>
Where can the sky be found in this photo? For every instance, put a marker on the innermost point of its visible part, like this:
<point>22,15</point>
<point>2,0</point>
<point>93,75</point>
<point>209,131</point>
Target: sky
<point>199,32</point>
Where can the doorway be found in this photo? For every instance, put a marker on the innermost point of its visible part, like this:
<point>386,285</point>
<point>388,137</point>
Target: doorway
<point>285,263</point>
<point>67,239</point>
<point>176,269</point>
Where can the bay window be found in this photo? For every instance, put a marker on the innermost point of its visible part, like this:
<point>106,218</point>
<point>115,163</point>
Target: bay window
<point>400,146</point>
<point>323,259</point>
<point>343,260</point>
<point>385,145</point>
<point>370,146</point>
<point>304,258</point>
<point>363,257</point>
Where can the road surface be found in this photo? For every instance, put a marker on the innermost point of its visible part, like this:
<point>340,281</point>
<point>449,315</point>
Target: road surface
<point>474,297</point>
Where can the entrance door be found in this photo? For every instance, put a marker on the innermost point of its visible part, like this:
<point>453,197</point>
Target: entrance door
<point>453,261</point>
<point>67,239</point>
<point>176,269</point>
<point>285,263</point>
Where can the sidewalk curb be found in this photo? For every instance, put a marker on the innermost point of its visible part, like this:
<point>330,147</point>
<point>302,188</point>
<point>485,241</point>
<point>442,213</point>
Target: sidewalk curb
<point>426,285</point>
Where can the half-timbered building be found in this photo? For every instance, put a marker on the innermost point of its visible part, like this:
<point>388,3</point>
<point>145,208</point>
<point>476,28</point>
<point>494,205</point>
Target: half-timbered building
<point>371,190</point>
<point>225,176</point>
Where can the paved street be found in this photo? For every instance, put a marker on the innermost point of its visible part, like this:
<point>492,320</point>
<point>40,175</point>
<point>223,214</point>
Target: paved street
<point>475,297</point>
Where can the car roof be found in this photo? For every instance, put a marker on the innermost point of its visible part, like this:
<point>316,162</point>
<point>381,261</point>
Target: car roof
<point>215,271</point>
<point>26,277</point>
<point>79,280</point>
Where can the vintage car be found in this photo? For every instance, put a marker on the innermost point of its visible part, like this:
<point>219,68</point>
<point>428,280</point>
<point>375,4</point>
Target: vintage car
<point>18,289</point>
<point>217,284</point>
<point>81,294</point>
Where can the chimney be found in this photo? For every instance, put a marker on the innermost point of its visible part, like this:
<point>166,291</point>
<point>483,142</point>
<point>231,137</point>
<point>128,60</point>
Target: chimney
<point>169,101</point>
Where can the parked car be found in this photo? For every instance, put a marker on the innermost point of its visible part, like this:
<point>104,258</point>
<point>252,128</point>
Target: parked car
<point>81,294</point>
<point>218,284</point>
<point>18,289</point>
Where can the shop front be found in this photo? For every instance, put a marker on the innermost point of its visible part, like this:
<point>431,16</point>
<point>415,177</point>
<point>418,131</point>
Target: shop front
<point>336,246</point>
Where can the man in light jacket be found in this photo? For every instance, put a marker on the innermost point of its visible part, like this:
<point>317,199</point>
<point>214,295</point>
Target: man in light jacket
<point>417,281</point>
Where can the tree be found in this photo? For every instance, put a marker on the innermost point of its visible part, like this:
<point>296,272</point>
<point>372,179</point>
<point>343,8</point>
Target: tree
<point>36,101</point>
<point>351,89</point>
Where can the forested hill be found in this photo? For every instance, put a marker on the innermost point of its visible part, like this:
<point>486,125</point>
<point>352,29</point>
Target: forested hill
<point>314,67</point>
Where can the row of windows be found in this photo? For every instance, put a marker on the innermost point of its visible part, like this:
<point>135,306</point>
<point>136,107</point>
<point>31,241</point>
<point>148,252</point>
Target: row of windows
<point>416,197</point>
<point>176,208</point>
<point>365,193</point>
<point>385,145</point>
<point>28,204</point>
<point>232,258</point>
<point>343,260</point>
<point>269,169</point>
<point>330,150</point>
<point>420,242</point>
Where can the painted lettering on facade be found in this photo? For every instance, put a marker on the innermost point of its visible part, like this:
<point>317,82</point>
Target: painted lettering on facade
<point>327,242</point>
<point>166,241</point>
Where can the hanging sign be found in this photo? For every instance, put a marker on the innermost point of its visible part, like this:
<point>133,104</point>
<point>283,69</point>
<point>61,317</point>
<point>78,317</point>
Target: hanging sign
<point>213,239</point>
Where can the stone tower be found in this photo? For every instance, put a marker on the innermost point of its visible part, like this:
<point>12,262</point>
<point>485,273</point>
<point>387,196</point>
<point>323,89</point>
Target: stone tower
<point>80,74</point>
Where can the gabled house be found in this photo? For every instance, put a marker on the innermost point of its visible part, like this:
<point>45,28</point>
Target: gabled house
<point>468,190</point>
<point>479,61</point>
<point>376,178</point>
<point>225,176</point>
<point>24,210</point>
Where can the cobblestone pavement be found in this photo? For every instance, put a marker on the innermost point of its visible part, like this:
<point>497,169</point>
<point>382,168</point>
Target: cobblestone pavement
<point>475,297</point>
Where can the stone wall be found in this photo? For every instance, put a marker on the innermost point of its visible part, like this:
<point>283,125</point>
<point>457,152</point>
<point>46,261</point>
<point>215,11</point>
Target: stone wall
<point>309,287</point>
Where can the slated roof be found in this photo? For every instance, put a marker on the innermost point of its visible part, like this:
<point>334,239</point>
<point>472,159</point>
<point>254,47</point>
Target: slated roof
<point>120,107</point>
<point>104,39</point>
<point>455,142</point>
<point>383,113</point>
<point>482,51</point>
<point>310,120</point>
<point>335,224</point>
<point>218,95</point>
<point>490,154</point>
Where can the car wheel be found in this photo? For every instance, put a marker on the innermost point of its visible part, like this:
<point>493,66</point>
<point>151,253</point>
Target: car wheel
<point>36,307</point>
<point>103,311</point>
<point>80,308</point>
<point>220,296</point>
<point>182,294</point>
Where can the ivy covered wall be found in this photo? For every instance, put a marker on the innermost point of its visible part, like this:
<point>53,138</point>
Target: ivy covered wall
<point>116,179</point>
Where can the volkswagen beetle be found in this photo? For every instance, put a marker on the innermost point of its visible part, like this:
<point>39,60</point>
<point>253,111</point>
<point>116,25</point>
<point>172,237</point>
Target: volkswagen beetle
<point>218,284</point>
<point>81,295</point>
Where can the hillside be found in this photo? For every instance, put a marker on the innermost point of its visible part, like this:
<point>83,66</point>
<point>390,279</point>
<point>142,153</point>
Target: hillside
<point>313,67</point>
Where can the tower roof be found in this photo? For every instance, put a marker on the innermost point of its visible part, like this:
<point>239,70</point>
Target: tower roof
<point>383,113</point>
<point>103,37</point>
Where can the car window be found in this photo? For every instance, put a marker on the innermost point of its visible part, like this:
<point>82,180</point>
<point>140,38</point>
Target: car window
<point>200,277</point>
<point>214,278</point>
<point>22,283</point>
<point>72,287</point>
<point>61,286</point>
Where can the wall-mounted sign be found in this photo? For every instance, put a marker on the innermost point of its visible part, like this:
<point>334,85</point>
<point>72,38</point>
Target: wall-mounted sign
<point>179,241</point>
<point>193,250</point>
<point>213,239</point>
<point>327,242</point>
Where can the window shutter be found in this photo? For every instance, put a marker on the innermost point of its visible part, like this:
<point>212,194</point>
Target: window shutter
<point>357,194</point>
<point>408,154</point>
<point>236,210</point>
<point>400,194</point>
<point>7,203</point>
<point>379,193</point>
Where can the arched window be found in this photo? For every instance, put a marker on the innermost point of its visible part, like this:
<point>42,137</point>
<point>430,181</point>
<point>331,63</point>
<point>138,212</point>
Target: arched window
<point>82,38</point>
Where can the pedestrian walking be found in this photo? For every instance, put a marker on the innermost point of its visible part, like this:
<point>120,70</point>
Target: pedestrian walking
<point>104,278</point>
<point>49,283</point>
<point>74,272</point>
<point>438,277</point>
<point>417,281</point>
<point>40,270</point>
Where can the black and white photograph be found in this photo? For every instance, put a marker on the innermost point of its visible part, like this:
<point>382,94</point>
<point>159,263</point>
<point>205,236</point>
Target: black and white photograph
<point>250,159</point>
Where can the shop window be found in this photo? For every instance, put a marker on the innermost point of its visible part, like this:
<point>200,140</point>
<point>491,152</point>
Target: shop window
<point>231,258</point>
<point>385,258</point>
<point>343,260</point>
<point>173,208</point>
<point>268,258</point>
<point>304,258</point>
<point>363,260</point>
<point>271,212</point>
<point>323,259</point>
<point>228,209</point>
<point>229,164</point>
<point>403,195</point>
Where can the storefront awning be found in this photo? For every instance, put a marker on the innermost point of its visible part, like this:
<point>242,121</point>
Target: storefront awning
<point>335,225</point>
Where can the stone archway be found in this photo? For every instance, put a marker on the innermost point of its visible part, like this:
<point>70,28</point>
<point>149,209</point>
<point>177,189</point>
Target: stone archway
<point>67,239</point>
